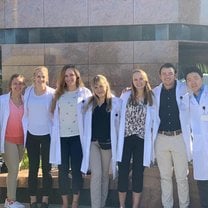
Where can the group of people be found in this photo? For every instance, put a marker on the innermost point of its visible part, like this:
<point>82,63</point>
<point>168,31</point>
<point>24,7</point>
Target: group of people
<point>84,130</point>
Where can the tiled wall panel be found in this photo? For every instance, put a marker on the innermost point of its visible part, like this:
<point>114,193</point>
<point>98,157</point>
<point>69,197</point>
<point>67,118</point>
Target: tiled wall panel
<point>23,54</point>
<point>111,52</point>
<point>1,14</point>
<point>60,54</point>
<point>156,52</point>
<point>153,12</point>
<point>24,13</point>
<point>61,13</point>
<point>110,12</point>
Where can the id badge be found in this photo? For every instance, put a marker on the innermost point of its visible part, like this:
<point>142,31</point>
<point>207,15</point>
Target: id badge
<point>204,117</point>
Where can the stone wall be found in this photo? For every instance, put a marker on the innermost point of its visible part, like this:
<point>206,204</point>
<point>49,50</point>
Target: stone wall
<point>62,13</point>
<point>115,59</point>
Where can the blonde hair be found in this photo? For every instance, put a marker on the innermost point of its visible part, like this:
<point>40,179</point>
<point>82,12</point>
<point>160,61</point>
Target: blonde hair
<point>61,84</point>
<point>148,94</point>
<point>42,69</point>
<point>94,98</point>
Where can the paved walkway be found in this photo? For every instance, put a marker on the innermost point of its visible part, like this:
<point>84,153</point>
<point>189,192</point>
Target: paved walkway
<point>54,206</point>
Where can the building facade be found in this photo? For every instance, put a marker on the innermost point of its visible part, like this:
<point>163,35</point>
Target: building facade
<point>111,37</point>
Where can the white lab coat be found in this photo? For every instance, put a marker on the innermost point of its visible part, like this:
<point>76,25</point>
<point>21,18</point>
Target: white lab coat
<point>114,122</point>
<point>4,115</point>
<point>199,126</point>
<point>125,96</point>
<point>55,147</point>
<point>153,120</point>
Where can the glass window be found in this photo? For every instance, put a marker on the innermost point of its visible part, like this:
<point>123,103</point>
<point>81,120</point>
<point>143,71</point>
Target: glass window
<point>96,34</point>
<point>9,36</point>
<point>161,32</point>
<point>34,35</point>
<point>21,36</point>
<point>2,36</point>
<point>148,32</point>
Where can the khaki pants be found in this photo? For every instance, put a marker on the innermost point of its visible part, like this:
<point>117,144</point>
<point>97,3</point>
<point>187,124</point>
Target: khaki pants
<point>171,153</point>
<point>12,157</point>
<point>99,165</point>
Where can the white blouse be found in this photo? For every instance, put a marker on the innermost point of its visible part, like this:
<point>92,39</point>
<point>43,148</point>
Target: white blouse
<point>68,114</point>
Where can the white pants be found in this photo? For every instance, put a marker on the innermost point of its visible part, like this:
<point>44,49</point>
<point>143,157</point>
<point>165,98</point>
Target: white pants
<point>171,153</point>
<point>99,165</point>
<point>12,157</point>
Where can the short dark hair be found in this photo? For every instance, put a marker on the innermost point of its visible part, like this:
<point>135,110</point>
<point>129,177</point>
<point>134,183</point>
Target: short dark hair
<point>191,69</point>
<point>168,65</point>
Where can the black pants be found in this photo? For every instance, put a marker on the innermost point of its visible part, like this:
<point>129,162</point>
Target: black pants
<point>71,152</point>
<point>133,148</point>
<point>203,192</point>
<point>38,148</point>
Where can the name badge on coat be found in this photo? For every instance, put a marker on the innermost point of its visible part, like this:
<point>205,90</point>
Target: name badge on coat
<point>204,116</point>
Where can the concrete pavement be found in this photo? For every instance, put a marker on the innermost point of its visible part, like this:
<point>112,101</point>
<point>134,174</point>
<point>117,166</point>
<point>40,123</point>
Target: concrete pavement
<point>52,206</point>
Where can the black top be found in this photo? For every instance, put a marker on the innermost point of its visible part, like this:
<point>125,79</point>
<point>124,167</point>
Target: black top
<point>168,112</point>
<point>101,124</point>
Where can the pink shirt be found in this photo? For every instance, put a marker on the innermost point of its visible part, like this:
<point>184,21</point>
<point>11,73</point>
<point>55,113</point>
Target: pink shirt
<point>14,130</point>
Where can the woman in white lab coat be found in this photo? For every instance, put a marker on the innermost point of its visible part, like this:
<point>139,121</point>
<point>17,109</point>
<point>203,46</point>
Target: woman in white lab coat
<point>101,124</point>
<point>37,124</point>
<point>66,139</point>
<point>136,104</point>
<point>12,135</point>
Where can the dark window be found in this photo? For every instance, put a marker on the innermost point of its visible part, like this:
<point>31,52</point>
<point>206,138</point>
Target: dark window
<point>161,32</point>
<point>2,36</point>
<point>10,36</point>
<point>96,34</point>
<point>34,35</point>
<point>148,32</point>
<point>21,36</point>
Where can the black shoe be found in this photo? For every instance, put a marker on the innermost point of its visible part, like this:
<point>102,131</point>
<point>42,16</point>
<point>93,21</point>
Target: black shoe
<point>34,205</point>
<point>44,205</point>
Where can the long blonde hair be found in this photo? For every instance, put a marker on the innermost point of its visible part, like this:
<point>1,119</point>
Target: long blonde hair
<point>94,98</point>
<point>61,84</point>
<point>148,94</point>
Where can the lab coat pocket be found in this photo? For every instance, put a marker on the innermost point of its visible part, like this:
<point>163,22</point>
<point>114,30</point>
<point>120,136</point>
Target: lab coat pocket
<point>197,143</point>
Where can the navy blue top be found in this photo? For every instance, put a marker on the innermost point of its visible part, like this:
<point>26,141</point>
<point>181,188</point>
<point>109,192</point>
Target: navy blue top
<point>101,124</point>
<point>168,112</point>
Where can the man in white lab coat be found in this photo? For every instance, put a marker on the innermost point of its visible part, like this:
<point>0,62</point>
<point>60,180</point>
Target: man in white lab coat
<point>168,139</point>
<point>198,105</point>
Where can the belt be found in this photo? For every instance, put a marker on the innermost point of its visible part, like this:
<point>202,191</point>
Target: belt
<point>170,133</point>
